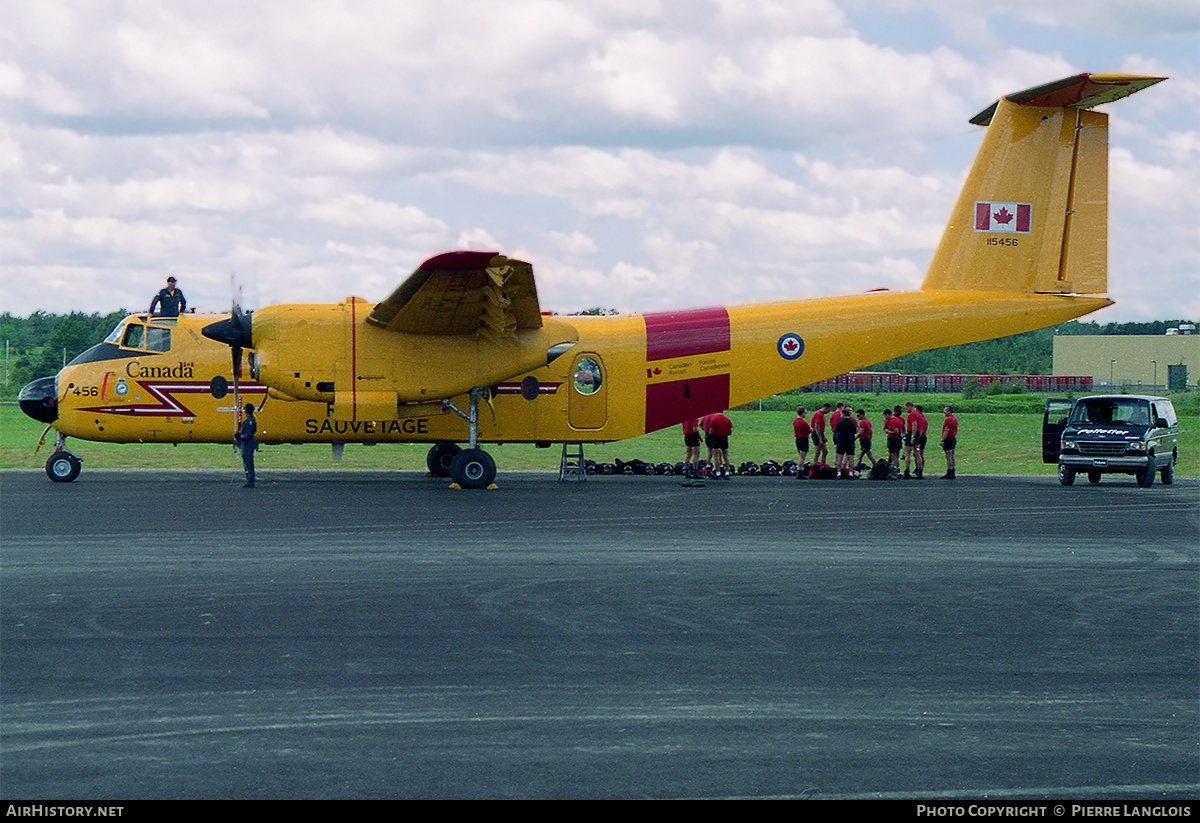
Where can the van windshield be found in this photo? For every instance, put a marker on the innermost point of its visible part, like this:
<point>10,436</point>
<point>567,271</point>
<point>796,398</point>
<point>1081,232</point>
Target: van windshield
<point>1110,410</point>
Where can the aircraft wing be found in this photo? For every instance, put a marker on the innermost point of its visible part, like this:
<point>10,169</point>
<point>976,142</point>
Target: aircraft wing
<point>463,293</point>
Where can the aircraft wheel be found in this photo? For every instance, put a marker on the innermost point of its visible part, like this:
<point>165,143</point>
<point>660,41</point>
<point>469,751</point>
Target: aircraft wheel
<point>1066,475</point>
<point>63,467</point>
<point>473,469</point>
<point>441,458</point>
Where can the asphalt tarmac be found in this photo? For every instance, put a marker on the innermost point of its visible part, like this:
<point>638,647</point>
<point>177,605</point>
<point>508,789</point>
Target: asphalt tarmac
<point>377,635</point>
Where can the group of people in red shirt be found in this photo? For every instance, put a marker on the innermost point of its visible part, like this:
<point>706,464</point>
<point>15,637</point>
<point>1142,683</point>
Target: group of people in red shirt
<point>904,428</point>
<point>715,429</point>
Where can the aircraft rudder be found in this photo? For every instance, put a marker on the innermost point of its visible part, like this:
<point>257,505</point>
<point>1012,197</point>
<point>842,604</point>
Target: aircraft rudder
<point>1032,216</point>
<point>1007,226</point>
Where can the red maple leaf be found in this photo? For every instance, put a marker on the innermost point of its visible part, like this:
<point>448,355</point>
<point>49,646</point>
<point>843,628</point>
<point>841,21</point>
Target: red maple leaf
<point>1002,216</point>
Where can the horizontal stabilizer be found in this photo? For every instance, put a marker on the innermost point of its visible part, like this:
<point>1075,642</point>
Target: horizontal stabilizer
<point>1081,91</point>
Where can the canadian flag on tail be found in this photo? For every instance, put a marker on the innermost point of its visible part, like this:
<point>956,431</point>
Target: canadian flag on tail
<point>1003,217</point>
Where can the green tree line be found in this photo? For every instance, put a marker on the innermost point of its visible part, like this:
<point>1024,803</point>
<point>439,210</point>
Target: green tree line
<point>38,345</point>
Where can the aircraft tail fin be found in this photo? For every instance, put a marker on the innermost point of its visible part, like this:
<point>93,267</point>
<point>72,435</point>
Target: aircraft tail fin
<point>1032,216</point>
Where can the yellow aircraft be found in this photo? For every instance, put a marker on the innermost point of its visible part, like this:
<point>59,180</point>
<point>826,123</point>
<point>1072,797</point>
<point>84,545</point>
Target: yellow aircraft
<point>1025,248</point>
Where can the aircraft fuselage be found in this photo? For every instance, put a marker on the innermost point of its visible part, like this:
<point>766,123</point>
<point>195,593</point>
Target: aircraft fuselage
<point>625,376</point>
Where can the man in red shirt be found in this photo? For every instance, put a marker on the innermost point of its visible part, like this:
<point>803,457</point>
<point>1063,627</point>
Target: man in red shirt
<point>915,441</point>
<point>719,429</point>
<point>801,430</point>
<point>920,440</point>
<point>691,444</point>
<point>864,440</point>
<point>820,443</point>
<point>949,441</point>
<point>893,428</point>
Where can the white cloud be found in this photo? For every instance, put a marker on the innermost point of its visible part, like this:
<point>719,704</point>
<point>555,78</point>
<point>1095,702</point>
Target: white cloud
<point>639,152</point>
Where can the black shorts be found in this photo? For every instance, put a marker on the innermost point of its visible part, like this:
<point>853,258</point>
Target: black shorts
<point>802,444</point>
<point>895,444</point>
<point>692,441</point>
<point>949,443</point>
<point>845,447</point>
<point>919,441</point>
<point>864,443</point>
<point>718,441</point>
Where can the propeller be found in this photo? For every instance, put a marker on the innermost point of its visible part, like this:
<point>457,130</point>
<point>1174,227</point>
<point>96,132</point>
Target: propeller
<point>237,332</point>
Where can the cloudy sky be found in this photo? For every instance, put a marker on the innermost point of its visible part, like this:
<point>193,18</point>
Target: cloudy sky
<point>642,154</point>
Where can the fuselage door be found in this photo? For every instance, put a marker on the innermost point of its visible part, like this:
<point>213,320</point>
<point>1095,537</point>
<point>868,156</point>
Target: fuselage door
<point>1053,422</point>
<point>588,407</point>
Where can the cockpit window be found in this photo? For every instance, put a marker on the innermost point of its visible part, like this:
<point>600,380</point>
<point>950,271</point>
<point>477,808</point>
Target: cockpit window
<point>150,338</point>
<point>134,334</point>
<point>158,339</point>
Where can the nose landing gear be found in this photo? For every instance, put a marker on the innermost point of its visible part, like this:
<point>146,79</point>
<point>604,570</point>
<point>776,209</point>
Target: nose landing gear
<point>63,467</point>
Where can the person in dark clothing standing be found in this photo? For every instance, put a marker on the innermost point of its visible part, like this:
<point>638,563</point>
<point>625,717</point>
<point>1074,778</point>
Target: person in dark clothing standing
<point>246,442</point>
<point>170,301</point>
<point>843,444</point>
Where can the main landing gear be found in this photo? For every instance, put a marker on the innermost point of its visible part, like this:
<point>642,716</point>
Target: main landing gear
<point>469,468</point>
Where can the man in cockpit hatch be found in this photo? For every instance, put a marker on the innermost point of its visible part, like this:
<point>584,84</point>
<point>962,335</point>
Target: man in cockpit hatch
<point>170,301</point>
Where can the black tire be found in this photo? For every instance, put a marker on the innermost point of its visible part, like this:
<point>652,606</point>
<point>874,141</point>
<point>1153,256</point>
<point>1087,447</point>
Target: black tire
<point>441,458</point>
<point>63,467</point>
<point>1168,474</point>
<point>1066,475</point>
<point>1145,478</point>
<point>473,469</point>
<point>1093,477</point>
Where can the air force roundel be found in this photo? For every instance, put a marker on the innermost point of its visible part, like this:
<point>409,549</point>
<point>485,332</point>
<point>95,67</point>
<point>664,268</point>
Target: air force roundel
<point>791,346</point>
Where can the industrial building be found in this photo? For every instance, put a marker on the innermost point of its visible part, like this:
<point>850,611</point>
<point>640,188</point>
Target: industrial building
<point>1149,363</point>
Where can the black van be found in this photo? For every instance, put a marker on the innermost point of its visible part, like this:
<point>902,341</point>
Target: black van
<point>1112,433</point>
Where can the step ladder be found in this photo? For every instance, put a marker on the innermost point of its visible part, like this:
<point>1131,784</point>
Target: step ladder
<point>572,467</point>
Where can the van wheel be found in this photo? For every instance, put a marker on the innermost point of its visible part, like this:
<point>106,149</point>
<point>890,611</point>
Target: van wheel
<point>1145,478</point>
<point>1066,475</point>
<point>1168,474</point>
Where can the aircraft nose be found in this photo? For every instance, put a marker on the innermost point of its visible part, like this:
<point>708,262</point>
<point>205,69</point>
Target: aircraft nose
<point>39,400</point>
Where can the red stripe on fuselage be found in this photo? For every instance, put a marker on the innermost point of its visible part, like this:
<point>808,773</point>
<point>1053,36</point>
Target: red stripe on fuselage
<point>686,333</point>
<point>669,404</point>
